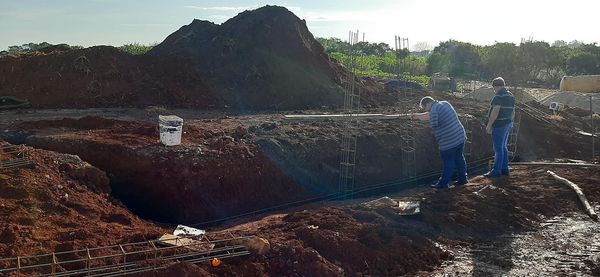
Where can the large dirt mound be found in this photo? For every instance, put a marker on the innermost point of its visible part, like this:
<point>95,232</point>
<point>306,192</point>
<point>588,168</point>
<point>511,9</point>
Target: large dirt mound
<point>260,59</point>
<point>264,58</point>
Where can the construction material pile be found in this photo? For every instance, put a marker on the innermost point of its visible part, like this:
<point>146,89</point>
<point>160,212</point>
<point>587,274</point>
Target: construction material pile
<point>260,59</point>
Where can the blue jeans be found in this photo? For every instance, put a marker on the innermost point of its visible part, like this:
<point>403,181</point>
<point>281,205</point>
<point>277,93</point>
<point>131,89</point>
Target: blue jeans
<point>500,137</point>
<point>453,158</point>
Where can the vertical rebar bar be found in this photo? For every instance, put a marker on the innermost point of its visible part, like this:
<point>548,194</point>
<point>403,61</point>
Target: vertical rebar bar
<point>53,264</point>
<point>124,258</point>
<point>593,129</point>
<point>88,261</point>
<point>155,254</point>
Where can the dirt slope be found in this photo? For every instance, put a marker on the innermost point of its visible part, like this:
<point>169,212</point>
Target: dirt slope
<point>265,58</point>
<point>62,203</point>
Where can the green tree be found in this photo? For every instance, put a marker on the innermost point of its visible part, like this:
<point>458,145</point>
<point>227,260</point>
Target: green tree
<point>584,59</point>
<point>136,48</point>
<point>538,61</point>
<point>500,59</point>
<point>456,58</point>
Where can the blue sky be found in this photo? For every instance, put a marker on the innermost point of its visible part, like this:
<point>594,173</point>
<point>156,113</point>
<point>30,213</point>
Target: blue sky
<point>116,22</point>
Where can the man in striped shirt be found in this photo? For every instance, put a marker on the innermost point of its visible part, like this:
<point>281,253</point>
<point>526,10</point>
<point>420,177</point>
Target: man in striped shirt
<point>450,136</point>
<point>500,124</point>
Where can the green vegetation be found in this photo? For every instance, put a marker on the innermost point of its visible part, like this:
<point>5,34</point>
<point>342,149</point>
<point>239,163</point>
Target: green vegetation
<point>530,61</point>
<point>31,47</point>
<point>136,48</point>
<point>378,59</point>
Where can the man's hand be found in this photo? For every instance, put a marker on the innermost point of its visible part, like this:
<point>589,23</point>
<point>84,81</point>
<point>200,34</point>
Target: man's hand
<point>488,129</point>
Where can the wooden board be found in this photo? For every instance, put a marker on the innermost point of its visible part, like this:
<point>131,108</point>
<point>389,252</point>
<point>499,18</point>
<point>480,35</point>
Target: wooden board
<point>342,116</point>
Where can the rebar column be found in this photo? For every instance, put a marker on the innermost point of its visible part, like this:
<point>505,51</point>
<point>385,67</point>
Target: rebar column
<point>348,143</point>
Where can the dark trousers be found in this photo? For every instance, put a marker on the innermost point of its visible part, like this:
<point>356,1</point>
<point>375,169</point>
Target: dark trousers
<point>453,160</point>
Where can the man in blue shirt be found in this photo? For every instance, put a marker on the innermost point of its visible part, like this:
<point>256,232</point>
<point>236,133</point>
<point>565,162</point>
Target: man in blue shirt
<point>450,136</point>
<point>500,124</point>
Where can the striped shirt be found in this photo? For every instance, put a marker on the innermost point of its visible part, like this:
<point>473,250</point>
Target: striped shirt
<point>446,127</point>
<point>506,101</point>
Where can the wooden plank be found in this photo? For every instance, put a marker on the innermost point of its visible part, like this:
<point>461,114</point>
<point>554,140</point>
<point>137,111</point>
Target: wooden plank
<point>556,164</point>
<point>342,116</point>
<point>586,205</point>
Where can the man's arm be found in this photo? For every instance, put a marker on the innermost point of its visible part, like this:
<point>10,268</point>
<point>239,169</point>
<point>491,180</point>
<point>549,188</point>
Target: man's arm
<point>493,117</point>
<point>420,116</point>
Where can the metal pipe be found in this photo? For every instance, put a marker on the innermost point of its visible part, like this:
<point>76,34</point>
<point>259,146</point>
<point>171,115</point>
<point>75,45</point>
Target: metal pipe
<point>586,205</point>
<point>556,164</point>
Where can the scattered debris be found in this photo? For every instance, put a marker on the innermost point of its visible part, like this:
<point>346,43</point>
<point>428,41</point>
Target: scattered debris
<point>182,230</point>
<point>402,207</point>
<point>382,202</point>
<point>409,207</point>
<point>190,243</point>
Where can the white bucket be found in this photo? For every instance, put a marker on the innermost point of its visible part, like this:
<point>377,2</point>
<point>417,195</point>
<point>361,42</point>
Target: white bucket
<point>170,127</point>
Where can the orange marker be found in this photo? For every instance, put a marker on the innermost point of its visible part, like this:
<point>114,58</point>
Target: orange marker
<point>215,262</point>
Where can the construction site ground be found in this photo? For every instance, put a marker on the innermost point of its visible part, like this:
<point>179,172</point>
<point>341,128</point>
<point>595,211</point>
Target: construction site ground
<point>260,174</point>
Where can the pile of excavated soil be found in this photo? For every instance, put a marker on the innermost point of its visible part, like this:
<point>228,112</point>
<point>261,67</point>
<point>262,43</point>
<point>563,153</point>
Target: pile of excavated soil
<point>260,59</point>
<point>487,93</point>
<point>62,203</point>
<point>102,76</point>
<point>574,100</point>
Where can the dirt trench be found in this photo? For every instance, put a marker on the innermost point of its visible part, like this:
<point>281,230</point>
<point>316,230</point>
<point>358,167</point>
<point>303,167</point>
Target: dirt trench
<point>230,166</point>
<point>234,165</point>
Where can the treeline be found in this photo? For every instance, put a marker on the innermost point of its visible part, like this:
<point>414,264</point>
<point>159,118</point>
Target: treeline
<point>530,61</point>
<point>30,48</point>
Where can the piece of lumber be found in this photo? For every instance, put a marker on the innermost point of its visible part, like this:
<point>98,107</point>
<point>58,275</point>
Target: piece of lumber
<point>342,116</point>
<point>556,164</point>
<point>586,205</point>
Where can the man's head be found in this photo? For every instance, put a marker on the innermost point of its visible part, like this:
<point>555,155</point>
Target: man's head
<point>498,83</point>
<point>426,103</point>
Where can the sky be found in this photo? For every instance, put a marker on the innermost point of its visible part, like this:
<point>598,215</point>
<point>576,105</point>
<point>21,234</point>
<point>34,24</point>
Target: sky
<point>117,22</point>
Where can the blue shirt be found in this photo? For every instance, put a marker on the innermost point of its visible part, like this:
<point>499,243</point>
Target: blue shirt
<point>446,127</point>
<point>506,101</point>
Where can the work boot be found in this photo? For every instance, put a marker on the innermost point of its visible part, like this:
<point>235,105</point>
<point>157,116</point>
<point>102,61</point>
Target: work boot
<point>460,183</point>
<point>491,175</point>
<point>437,186</point>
